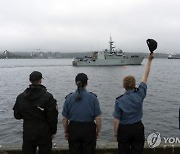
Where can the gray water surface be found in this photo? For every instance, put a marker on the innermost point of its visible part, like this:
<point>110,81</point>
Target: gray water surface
<point>161,105</point>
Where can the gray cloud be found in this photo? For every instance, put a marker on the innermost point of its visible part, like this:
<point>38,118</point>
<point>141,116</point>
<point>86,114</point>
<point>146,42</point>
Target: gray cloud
<point>82,25</point>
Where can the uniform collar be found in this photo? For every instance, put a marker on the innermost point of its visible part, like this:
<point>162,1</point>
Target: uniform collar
<point>129,91</point>
<point>84,89</point>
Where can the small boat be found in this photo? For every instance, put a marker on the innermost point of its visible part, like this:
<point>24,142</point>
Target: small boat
<point>173,56</point>
<point>111,57</point>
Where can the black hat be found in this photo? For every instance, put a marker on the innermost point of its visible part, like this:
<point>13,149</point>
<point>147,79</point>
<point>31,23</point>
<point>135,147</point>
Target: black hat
<point>35,76</point>
<point>152,44</point>
<point>81,77</point>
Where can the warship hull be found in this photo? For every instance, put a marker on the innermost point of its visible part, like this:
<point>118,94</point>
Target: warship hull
<point>109,62</point>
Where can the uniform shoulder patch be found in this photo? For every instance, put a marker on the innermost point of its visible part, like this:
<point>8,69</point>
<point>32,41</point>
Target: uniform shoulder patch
<point>119,96</point>
<point>93,94</point>
<point>68,95</point>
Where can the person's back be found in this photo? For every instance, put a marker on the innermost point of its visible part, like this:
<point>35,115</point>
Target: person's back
<point>80,110</point>
<point>38,109</point>
<point>131,104</point>
<point>128,126</point>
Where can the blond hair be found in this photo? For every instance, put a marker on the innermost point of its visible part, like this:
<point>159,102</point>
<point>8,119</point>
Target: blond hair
<point>129,82</point>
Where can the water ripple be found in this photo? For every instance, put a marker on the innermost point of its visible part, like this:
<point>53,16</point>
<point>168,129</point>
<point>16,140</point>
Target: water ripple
<point>161,104</point>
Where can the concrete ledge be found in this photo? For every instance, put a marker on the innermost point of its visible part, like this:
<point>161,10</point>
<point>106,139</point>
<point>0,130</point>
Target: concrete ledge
<point>102,148</point>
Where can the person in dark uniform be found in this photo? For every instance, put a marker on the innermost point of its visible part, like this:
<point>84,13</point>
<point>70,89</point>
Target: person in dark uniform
<point>128,128</point>
<point>38,109</point>
<point>81,108</point>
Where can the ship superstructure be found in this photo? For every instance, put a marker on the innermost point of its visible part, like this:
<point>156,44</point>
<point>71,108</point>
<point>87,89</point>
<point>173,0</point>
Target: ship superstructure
<point>111,57</point>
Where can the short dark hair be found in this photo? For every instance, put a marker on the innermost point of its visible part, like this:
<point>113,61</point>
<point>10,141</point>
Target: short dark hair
<point>35,76</point>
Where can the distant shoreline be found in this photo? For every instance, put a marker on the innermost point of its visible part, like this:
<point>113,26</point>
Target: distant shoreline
<point>61,55</point>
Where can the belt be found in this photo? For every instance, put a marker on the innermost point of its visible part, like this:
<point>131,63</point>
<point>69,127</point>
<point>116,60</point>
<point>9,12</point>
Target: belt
<point>136,123</point>
<point>80,122</point>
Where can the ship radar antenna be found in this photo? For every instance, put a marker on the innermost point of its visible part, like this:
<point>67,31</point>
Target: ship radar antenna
<point>111,44</point>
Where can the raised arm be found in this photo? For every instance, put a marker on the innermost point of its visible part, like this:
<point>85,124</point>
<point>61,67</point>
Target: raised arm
<point>148,67</point>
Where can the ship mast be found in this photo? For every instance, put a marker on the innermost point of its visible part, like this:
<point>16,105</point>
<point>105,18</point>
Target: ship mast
<point>111,44</point>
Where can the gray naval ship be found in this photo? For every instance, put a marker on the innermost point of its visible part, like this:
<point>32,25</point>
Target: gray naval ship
<point>111,57</point>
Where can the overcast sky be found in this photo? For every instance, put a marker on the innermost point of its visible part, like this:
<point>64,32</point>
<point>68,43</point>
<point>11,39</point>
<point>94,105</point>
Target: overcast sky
<point>85,25</point>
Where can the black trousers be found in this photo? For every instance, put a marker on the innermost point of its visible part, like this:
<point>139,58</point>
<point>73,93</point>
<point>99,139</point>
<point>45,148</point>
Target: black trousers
<point>31,148</point>
<point>82,137</point>
<point>131,138</point>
